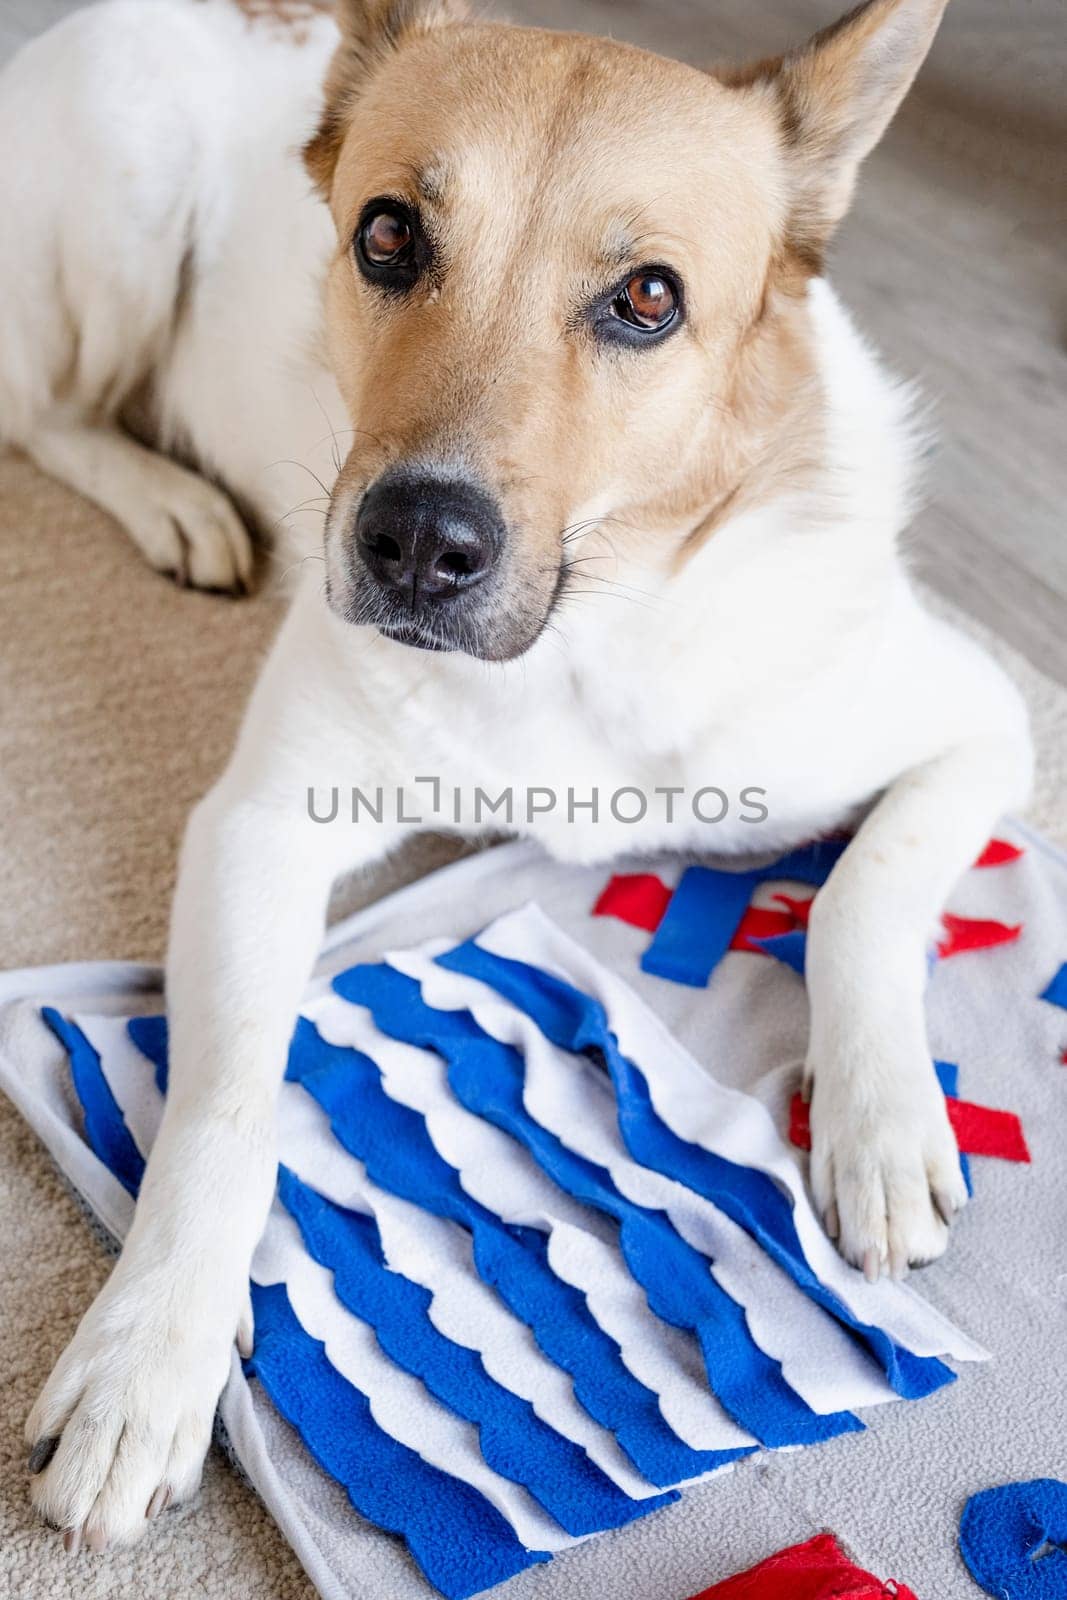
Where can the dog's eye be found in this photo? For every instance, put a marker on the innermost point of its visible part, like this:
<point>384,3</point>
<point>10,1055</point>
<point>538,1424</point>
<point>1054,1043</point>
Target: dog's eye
<point>384,237</point>
<point>388,245</point>
<point>647,301</point>
<point>640,311</point>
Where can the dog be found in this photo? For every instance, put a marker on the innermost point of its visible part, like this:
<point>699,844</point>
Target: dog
<point>619,507</point>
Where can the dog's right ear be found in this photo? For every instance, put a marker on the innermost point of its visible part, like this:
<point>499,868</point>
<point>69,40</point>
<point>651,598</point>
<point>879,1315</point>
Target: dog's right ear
<point>835,98</point>
<point>370,30</point>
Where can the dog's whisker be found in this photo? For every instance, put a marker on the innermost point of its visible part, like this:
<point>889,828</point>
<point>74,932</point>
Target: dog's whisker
<point>304,505</point>
<point>625,588</point>
<point>338,433</point>
<point>302,466</point>
<point>334,450</point>
<point>293,565</point>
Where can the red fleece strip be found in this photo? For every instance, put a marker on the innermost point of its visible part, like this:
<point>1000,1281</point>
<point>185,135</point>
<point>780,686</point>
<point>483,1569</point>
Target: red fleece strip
<point>997,853</point>
<point>760,922</point>
<point>800,1122</point>
<point>971,933</point>
<point>818,1570</point>
<point>979,1130</point>
<point>983,1131</point>
<point>799,910</point>
<point>639,898</point>
<point>763,922</point>
<point>961,933</point>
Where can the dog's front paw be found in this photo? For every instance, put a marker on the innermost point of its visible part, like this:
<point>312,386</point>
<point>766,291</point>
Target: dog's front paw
<point>122,1426</point>
<point>190,530</point>
<point>885,1166</point>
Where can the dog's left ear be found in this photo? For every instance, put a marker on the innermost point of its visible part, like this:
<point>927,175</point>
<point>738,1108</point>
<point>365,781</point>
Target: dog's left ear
<point>836,97</point>
<point>370,30</point>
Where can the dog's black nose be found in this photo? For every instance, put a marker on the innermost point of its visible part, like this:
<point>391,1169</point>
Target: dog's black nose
<point>428,538</point>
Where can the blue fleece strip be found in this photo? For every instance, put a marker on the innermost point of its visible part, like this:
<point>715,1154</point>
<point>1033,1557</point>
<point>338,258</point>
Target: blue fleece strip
<point>577,1022</point>
<point>400,1156</point>
<point>487,1078</point>
<point>514,1440</point>
<point>1056,993</point>
<point>790,948</point>
<point>700,920</point>
<point>461,1541</point>
<point>149,1034</point>
<point>105,1127</point>
<point>948,1076</point>
<point>1014,1540</point>
<point>706,907</point>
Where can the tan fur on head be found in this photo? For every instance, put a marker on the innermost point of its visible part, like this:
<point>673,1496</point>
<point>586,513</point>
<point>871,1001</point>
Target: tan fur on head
<point>544,168</point>
<point>370,29</point>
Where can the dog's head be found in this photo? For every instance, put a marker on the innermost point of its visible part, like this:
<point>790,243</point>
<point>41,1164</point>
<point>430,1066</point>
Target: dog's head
<point>569,293</point>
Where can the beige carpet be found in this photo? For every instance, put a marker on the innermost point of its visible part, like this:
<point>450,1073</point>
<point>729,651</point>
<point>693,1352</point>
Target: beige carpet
<point>118,699</point>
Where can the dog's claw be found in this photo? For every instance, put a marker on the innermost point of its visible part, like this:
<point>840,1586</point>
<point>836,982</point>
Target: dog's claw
<point>96,1541</point>
<point>898,1265</point>
<point>832,1221</point>
<point>72,1541</point>
<point>158,1503</point>
<point>246,1333</point>
<point>181,571</point>
<point>42,1453</point>
<point>872,1265</point>
<point>947,1209</point>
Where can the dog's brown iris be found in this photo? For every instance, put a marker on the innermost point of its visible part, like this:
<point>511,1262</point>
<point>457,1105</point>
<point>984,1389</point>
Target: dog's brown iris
<point>647,300</point>
<point>385,236</point>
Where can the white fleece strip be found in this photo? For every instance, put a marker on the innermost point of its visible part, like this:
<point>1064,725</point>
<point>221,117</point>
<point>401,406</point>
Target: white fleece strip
<point>729,1123</point>
<point>574,1099</point>
<point>418,1079</point>
<point>495,1170</point>
<point>668,1362</point>
<point>400,1404</point>
<point>436,1254</point>
<point>426,1249</point>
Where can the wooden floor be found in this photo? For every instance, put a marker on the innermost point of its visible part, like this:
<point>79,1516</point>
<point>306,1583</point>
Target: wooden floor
<point>954,259</point>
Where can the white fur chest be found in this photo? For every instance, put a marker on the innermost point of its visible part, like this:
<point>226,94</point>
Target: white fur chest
<point>621,738</point>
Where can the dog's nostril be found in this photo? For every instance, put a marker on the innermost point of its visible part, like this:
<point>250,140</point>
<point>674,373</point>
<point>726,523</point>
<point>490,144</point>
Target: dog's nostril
<point>456,564</point>
<point>384,547</point>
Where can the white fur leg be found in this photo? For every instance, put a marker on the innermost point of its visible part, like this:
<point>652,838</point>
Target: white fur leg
<point>182,524</point>
<point>884,1166</point>
<point>123,1423</point>
<point>106,157</point>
